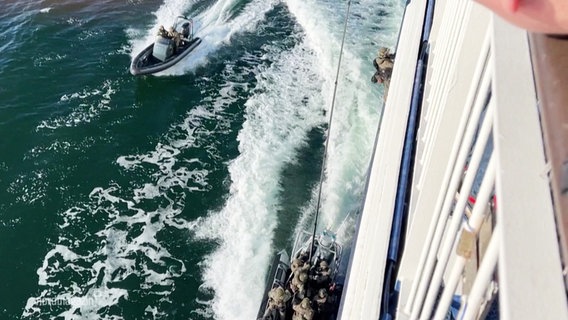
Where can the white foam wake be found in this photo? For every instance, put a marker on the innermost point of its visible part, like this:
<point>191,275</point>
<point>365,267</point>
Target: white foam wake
<point>278,118</point>
<point>113,236</point>
<point>358,102</point>
<point>86,106</point>
<point>276,126</point>
<point>287,102</point>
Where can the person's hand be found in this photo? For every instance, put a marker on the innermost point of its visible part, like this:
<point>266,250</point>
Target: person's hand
<point>542,16</point>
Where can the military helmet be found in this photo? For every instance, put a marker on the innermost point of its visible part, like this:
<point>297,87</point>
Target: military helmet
<point>297,262</point>
<point>171,29</point>
<point>383,51</point>
<point>305,303</point>
<point>279,293</point>
<point>303,277</point>
<point>323,264</point>
<point>322,293</point>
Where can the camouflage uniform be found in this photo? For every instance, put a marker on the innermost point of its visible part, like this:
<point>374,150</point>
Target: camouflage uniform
<point>303,310</point>
<point>322,276</point>
<point>173,34</point>
<point>299,266</point>
<point>277,298</point>
<point>384,64</point>
<point>298,283</point>
<point>162,32</point>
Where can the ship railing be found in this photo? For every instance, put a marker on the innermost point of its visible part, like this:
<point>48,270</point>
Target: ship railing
<point>481,236</point>
<point>550,63</point>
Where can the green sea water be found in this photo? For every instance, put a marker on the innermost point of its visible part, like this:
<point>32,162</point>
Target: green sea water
<point>165,196</point>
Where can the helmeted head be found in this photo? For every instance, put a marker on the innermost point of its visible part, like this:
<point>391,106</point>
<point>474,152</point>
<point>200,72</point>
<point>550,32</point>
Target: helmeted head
<point>279,293</point>
<point>171,29</point>
<point>383,52</point>
<point>323,264</point>
<point>305,303</point>
<point>303,277</point>
<point>297,262</point>
<point>322,293</point>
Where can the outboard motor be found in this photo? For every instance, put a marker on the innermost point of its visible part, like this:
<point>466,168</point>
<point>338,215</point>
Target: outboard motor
<point>326,240</point>
<point>163,48</point>
<point>326,246</point>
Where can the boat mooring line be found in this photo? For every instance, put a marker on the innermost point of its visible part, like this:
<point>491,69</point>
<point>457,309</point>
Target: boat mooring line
<point>329,129</point>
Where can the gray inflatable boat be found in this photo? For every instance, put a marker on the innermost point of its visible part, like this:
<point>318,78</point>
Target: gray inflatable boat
<point>164,52</point>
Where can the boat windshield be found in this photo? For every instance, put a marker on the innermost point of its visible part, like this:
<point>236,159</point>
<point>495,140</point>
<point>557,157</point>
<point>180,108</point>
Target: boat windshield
<point>184,26</point>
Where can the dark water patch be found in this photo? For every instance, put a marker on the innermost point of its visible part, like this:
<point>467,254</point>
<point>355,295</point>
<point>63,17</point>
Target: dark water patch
<point>237,9</point>
<point>24,245</point>
<point>72,112</point>
<point>298,181</point>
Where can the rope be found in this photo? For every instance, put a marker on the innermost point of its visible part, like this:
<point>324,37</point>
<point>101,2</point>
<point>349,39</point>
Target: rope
<point>329,130</point>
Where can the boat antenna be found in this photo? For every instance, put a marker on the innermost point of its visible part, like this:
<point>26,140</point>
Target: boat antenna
<point>329,130</point>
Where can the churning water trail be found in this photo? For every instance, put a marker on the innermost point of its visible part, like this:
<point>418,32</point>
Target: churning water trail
<point>115,236</point>
<point>293,94</point>
<point>278,117</point>
<point>357,105</point>
<point>262,79</point>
